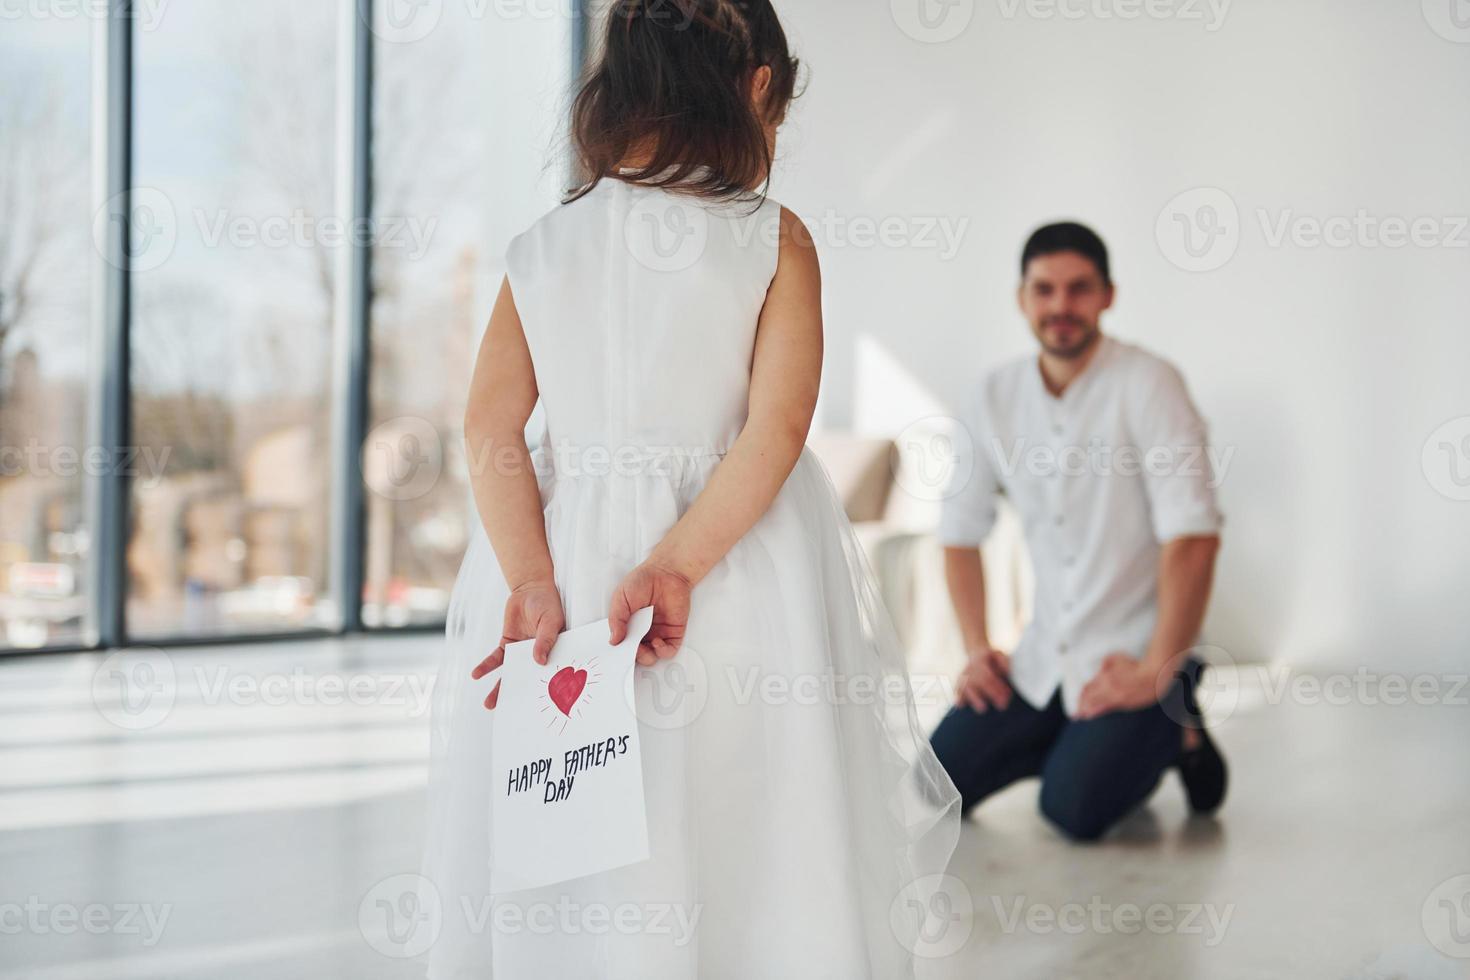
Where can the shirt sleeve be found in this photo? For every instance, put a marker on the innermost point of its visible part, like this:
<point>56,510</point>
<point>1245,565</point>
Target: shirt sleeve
<point>967,509</point>
<point>1175,460</point>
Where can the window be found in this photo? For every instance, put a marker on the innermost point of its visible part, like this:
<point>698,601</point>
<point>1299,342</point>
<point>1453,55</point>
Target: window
<point>461,144</point>
<point>47,262</point>
<point>233,289</point>
<point>239,292</point>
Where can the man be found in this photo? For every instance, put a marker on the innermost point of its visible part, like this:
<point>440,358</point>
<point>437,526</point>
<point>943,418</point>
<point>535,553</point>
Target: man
<point>1097,445</point>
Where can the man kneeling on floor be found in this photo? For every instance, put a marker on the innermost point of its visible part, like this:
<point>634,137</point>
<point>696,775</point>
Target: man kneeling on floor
<point>1097,445</point>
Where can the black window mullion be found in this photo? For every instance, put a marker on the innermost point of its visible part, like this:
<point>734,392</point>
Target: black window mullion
<point>351,343</point>
<point>109,420</point>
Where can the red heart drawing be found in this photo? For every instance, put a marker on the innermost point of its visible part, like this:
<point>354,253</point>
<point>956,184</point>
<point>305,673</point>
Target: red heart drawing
<point>566,687</point>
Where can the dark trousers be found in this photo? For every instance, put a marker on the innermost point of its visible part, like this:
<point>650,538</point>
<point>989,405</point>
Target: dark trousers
<point>1092,772</point>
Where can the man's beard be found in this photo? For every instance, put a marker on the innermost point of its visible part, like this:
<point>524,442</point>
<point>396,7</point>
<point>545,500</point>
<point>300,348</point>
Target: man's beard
<point>1087,334</point>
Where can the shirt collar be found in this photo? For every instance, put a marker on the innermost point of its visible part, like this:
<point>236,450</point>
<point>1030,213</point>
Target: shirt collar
<point>1105,347</point>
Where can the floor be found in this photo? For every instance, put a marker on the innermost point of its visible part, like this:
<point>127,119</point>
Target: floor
<point>241,823</point>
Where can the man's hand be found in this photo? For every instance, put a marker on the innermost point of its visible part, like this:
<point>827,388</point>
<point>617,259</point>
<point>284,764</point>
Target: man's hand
<point>533,609</point>
<point>1122,684</point>
<point>985,680</point>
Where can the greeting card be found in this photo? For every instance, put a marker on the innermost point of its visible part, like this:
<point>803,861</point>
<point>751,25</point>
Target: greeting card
<point>567,787</point>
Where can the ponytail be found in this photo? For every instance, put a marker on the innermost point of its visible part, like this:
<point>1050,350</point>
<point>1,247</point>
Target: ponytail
<point>672,84</point>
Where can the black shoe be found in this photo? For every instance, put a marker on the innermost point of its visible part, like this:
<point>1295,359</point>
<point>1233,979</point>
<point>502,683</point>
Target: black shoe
<point>1205,775</point>
<point>1202,768</point>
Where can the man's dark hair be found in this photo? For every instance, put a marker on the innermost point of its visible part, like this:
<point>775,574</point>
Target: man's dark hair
<point>1067,236</point>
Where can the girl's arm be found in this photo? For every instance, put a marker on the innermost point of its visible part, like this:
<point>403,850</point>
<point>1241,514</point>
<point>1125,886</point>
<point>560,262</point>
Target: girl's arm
<point>785,375</point>
<point>502,395</point>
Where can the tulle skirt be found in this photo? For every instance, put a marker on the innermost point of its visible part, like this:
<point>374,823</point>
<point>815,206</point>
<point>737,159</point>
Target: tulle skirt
<point>793,801</point>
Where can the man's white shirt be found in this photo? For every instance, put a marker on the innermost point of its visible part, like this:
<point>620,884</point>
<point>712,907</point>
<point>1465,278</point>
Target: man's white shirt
<point>1102,477</point>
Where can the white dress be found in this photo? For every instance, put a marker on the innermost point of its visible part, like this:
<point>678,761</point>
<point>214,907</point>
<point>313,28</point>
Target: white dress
<point>792,797</point>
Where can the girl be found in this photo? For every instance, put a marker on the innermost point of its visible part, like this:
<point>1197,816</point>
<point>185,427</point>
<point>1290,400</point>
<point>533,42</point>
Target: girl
<point>668,318</point>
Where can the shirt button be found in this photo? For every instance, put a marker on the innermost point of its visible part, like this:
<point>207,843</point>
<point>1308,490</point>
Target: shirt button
<point>1062,647</point>
<point>1057,428</point>
<point>1069,561</point>
<point>1060,519</point>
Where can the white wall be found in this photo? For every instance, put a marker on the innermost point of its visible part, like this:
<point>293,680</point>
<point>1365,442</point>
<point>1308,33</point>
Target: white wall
<point>1326,369</point>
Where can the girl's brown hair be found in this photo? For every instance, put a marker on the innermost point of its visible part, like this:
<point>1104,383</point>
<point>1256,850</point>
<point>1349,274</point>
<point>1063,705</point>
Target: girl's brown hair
<point>672,85</point>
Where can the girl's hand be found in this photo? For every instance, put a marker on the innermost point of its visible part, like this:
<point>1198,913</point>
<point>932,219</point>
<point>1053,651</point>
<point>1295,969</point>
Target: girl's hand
<point>658,585</point>
<point>533,610</point>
